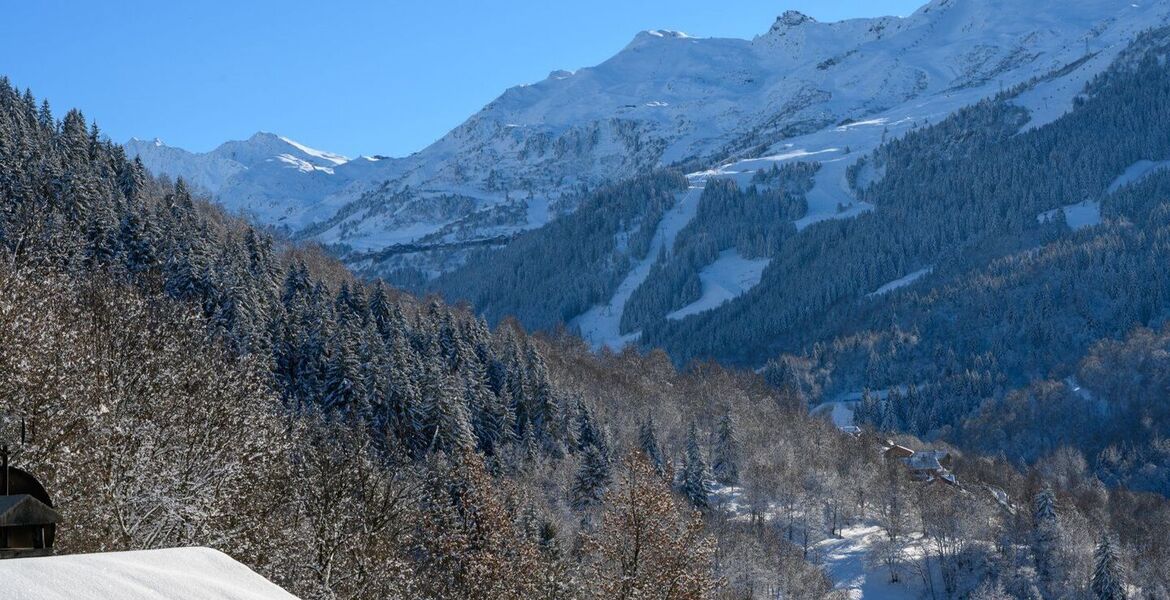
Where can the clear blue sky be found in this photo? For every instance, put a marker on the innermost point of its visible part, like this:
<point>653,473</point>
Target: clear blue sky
<point>354,77</point>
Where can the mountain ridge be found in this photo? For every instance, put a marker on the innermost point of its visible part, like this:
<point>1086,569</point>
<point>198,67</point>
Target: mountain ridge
<point>668,98</point>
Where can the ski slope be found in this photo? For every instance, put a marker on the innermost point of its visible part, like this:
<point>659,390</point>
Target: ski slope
<point>172,574</point>
<point>1078,216</point>
<point>900,282</point>
<point>723,280</point>
<point>601,325</point>
<point>1137,172</point>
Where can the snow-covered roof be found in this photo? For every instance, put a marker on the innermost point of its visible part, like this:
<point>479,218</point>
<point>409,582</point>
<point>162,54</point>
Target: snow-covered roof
<point>927,460</point>
<point>177,573</point>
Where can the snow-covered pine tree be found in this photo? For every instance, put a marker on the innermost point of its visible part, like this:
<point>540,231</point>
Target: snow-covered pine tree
<point>694,482</point>
<point>543,404</point>
<point>586,432</point>
<point>1046,535</point>
<point>447,419</point>
<point>1108,582</point>
<point>591,480</point>
<point>341,388</point>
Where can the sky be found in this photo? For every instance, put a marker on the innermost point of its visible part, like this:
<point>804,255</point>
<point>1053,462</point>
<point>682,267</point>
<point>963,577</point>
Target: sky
<point>350,76</point>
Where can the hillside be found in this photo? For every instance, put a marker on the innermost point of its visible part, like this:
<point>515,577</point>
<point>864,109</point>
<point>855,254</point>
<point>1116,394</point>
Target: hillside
<point>980,254</point>
<point>348,441</point>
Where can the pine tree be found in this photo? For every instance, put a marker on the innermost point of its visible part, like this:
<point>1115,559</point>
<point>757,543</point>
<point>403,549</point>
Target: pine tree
<point>1046,535</point>
<point>448,422</point>
<point>543,405</point>
<point>342,387</point>
<point>648,442</point>
<point>1108,582</point>
<point>586,434</point>
<point>591,480</point>
<point>726,459</point>
<point>694,474</point>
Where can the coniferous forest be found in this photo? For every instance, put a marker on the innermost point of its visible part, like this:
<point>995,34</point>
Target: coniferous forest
<point>186,378</point>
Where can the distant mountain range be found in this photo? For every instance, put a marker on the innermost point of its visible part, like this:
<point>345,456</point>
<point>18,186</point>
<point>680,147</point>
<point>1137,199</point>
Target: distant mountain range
<point>803,90</point>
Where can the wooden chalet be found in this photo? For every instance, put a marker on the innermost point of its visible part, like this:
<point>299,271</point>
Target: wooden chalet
<point>28,521</point>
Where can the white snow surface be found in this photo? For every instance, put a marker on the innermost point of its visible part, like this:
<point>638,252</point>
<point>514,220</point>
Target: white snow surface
<point>1137,172</point>
<point>840,412</point>
<point>177,573</point>
<point>723,280</point>
<point>668,96</point>
<point>848,562</point>
<point>1078,216</point>
<point>900,282</point>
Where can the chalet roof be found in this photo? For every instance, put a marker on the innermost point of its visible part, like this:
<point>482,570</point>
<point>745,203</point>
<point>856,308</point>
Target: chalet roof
<point>893,449</point>
<point>943,476</point>
<point>924,461</point>
<point>23,509</point>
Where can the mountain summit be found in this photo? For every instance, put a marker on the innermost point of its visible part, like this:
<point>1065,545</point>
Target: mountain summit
<point>791,18</point>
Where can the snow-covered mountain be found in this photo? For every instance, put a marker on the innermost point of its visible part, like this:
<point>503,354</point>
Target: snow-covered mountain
<point>269,177</point>
<point>666,98</point>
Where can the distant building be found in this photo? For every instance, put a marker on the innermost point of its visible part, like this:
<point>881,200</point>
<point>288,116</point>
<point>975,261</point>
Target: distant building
<point>894,451</point>
<point>852,430</point>
<point>927,466</point>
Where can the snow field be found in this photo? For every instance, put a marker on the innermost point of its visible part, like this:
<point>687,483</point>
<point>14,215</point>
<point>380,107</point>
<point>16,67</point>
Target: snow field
<point>176,573</point>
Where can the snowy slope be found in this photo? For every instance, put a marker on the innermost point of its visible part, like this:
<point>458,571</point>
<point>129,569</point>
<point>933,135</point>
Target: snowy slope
<point>1136,173</point>
<point>900,282</point>
<point>831,90</point>
<point>851,566</point>
<point>726,278</point>
<point>271,178</point>
<point>177,573</point>
<point>601,325</point>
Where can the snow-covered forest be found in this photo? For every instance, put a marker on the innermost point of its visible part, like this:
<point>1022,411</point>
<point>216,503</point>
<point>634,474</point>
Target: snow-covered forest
<point>709,353</point>
<point>188,380</point>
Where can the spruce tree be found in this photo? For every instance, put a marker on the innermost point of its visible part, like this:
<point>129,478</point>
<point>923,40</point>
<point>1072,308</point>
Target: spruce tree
<point>726,459</point>
<point>1046,534</point>
<point>648,442</point>
<point>591,479</point>
<point>694,475</point>
<point>586,434</point>
<point>1108,581</point>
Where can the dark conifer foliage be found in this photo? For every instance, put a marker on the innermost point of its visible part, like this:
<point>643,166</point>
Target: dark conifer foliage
<point>548,276</point>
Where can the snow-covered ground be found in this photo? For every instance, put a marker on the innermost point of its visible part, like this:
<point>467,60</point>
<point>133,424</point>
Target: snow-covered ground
<point>725,279</point>
<point>1078,216</point>
<point>600,325</point>
<point>1051,100</point>
<point>900,282</point>
<point>840,409</point>
<point>1087,213</point>
<point>840,412</point>
<point>173,574</point>
<point>849,563</point>
<point>1136,172</point>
